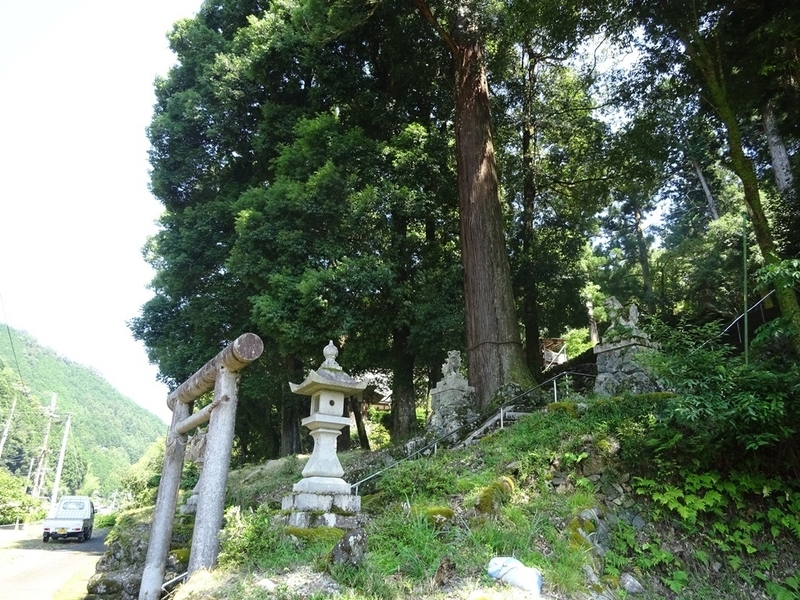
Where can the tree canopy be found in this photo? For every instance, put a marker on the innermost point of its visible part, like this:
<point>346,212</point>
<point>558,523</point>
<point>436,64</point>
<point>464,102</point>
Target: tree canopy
<point>410,178</point>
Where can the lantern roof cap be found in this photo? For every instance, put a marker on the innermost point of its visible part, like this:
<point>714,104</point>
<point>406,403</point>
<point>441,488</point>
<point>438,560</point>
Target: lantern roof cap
<point>329,376</point>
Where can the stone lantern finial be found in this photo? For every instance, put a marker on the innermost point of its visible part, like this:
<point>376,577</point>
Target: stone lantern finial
<point>330,352</point>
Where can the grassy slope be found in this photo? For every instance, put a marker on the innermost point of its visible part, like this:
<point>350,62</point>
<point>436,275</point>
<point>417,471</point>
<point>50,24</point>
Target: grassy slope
<point>559,463</point>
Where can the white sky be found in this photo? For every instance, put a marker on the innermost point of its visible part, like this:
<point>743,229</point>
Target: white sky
<point>76,94</point>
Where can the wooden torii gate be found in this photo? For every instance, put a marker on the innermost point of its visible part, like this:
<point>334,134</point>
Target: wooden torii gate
<point>221,374</point>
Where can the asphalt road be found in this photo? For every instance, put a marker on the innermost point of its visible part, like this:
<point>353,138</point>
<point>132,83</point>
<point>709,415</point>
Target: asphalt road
<point>33,570</point>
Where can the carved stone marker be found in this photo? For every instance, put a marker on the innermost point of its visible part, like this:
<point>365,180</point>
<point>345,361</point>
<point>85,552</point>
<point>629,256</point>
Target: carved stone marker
<point>451,399</point>
<point>322,489</point>
<point>617,367</point>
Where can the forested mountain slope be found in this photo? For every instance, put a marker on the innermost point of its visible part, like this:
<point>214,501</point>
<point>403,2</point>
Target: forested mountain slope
<point>108,431</point>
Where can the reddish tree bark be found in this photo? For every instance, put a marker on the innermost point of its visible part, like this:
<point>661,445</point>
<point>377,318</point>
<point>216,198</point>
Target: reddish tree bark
<point>494,349</point>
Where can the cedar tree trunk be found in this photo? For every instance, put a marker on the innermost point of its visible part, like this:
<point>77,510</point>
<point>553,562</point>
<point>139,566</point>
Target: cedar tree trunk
<point>404,416</point>
<point>357,408</point>
<point>529,282</point>
<point>494,350</point>
<point>293,409</point>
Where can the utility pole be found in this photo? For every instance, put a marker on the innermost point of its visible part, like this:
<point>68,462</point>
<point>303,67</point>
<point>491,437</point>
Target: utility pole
<point>38,479</point>
<point>54,496</point>
<point>8,424</point>
<point>28,476</point>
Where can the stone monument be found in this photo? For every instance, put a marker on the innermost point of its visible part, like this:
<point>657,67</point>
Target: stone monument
<point>451,399</point>
<point>617,368</point>
<point>322,497</point>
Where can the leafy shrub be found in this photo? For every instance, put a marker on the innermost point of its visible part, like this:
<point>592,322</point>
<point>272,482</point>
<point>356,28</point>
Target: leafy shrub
<point>578,341</point>
<point>722,407</point>
<point>141,479</point>
<point>15,504</point>
<point>103,521</point>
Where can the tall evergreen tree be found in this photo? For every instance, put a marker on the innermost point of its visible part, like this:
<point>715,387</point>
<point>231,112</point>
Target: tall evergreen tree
<point>494,346</point>
<point>280,150</point>
<point>699,45</point>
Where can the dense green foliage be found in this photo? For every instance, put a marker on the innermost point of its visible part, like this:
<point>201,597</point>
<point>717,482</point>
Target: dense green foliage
<point>108,431</point>
<point>723,526</point>
<point>727,409</point>
<point>15,504</point>
<point>310,160</point>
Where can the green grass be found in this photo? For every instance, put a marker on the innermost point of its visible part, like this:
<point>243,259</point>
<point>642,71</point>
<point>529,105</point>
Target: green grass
<point>526,516</point>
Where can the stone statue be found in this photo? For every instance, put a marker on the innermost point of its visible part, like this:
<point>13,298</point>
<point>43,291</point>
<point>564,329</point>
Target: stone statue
<point>618,368</point>
<point>196,446</point>
<point>453,364</point>
<point>633,315</point>
<point>623,326</point>
<point>614,309</point>
<point>452,399</point>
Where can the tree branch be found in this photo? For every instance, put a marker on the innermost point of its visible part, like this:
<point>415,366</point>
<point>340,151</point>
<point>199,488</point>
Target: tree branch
<point>425,11</point>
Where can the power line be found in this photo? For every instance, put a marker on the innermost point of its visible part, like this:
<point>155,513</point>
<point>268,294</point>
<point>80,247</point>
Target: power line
<point>13,349</point>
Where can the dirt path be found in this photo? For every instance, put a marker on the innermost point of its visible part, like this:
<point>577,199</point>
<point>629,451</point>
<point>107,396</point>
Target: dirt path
<point>33,570</point>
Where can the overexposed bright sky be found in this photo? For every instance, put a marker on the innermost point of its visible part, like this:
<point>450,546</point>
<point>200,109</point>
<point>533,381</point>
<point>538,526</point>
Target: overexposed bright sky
<point>76,94</point>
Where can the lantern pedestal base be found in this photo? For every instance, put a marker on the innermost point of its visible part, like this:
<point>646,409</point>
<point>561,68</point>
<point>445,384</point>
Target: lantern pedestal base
<point>323,510</point>
<point>322,485</point>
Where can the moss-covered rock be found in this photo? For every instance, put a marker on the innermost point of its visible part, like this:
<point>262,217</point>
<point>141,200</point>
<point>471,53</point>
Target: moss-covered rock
<point>494,495</point>
<point>566,408</point>
<point>437,516</point>
<point>181,555</point>
<point>578,531</point>
<point>315,535</point>
<point>372,503</point>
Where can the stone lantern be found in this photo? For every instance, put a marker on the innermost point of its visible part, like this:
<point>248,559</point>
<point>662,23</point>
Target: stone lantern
<point>322,487</point>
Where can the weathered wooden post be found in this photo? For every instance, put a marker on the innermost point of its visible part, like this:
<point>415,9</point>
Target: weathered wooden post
<point>214,476</point>
<point>220,373</point>
<point>161,529</point>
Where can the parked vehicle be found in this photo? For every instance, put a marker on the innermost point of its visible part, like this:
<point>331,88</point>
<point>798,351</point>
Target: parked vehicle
<point>73,518</point>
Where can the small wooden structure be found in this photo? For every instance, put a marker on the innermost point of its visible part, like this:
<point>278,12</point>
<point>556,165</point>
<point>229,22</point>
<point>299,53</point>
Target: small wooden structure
<point>554,352</point>
<point>222,375</point>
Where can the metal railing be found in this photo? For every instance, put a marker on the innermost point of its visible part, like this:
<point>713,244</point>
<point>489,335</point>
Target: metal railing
<point>431,448</point>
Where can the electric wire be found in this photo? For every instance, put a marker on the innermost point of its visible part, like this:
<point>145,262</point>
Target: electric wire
<point>13,349</point>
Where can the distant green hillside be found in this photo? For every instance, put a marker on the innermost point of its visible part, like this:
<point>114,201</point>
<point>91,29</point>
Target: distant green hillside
<point>109,432</point>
